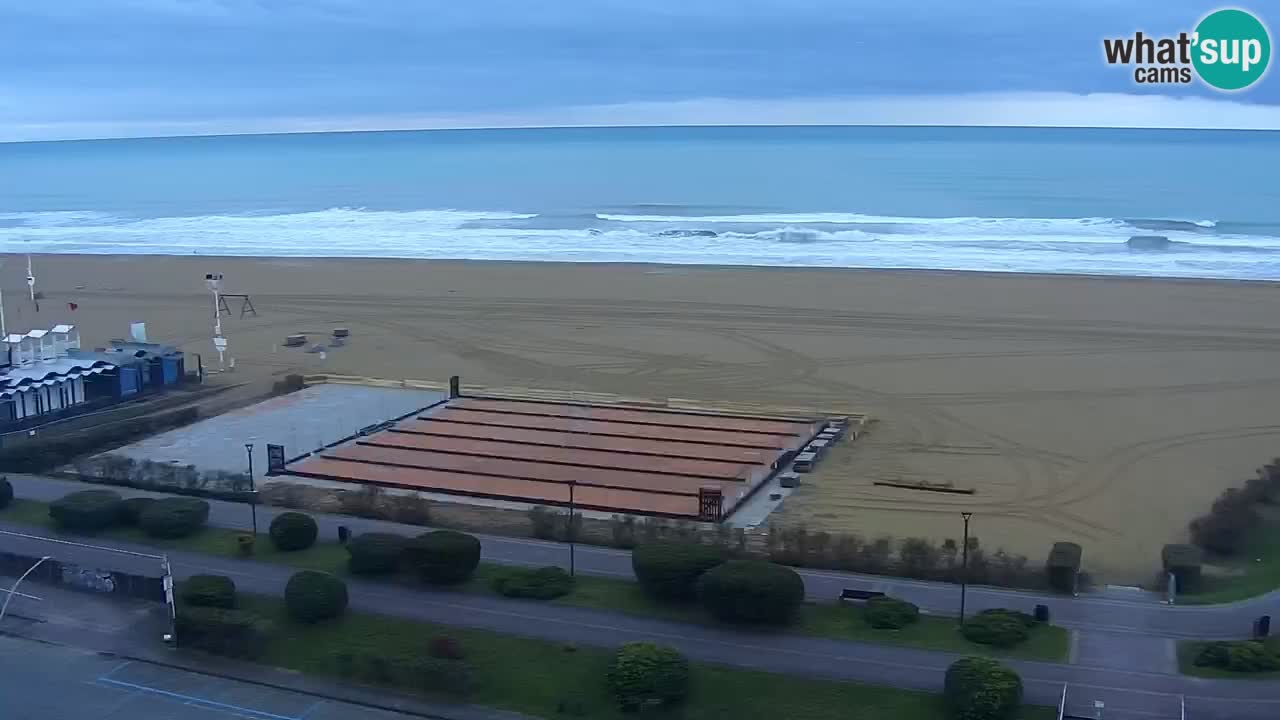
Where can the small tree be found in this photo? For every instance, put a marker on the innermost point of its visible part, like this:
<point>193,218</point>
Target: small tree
<point>643,673</point>
<point>291,531</point>
<point>982,689</point>
<point>670,570</point>
<point>443,557</point>
<point>751,591</point>
<point>312,596</point>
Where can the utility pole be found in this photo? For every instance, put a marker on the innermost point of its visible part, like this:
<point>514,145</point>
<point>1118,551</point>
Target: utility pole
<point>5,608</point>
<point>964,565</point>
<point>572,529</point>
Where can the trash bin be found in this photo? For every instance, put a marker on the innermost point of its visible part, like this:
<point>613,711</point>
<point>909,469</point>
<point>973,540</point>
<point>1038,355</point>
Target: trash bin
<point>1042,613</point>
<point>343,534</point>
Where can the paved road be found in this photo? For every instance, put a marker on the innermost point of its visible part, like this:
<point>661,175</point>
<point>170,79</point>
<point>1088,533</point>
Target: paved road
<point>1146,694</point>
<point>49,682</point>
<point>1106,615</point>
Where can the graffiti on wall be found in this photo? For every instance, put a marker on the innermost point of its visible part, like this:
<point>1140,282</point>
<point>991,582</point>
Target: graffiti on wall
<point>87,578</point>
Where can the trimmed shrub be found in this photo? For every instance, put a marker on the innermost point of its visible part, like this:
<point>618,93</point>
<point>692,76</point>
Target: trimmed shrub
<point>86,510</point>
<point>47,452</point>
<point>543,583</point>
<point>1243,656</point>
<point>1063,566</point>
<point>131,510</point>
<point>175,517</point>
<point>375,553</point>
<point>670,570</point>
<point>886,613</point>
<point>292,531</point>
<point>751,591</point>
<point>209,591</point>
<point>233,633</point>
<point>445,648</point>
<point>644,673</point>
<point>982,689</point>
<point>998,628</point>
<point>6,493</point>
<point>1184,562</point>
<point>313,596</point>
<point>443,557</point>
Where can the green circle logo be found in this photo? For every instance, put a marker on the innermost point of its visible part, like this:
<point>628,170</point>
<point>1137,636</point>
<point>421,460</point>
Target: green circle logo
<point>1232,49</point>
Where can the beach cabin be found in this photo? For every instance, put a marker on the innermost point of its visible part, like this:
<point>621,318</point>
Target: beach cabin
<point>40,380</point>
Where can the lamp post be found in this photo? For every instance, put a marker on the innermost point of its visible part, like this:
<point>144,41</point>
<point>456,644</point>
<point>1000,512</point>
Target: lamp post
<point>572,529</point>
<point>964,564</point>
<point>5,608</point>
<point>253,489</point>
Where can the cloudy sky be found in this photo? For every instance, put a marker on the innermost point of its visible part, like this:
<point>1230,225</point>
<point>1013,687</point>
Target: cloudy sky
<point>109,68</point>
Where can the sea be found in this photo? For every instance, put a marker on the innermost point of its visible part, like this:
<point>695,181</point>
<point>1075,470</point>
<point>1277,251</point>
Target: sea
<point>1031,200</point>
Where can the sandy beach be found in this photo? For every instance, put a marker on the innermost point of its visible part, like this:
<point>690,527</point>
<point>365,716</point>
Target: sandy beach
<point>1105,411</point>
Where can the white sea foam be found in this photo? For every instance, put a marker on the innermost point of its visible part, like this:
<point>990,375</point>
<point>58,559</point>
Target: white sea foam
<point>1086,245</point>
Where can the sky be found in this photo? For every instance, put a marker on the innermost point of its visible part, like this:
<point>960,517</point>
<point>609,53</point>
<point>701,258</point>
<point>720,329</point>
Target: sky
<point>122,68</point>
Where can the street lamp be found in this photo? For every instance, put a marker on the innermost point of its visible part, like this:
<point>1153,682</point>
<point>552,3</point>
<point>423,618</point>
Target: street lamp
<point>253,490</point>
<point>572,529</point>
<point>5,608</point>
<point>964,564</point>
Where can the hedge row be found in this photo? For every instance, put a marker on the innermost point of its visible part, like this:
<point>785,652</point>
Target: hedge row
<point>1243,656</point>
<point>45,453</point>
<point>670,570</point>
<point>751,591</point>
<point>544,583</point>
<point>886,613</point>
<point>95,510</point>
<point>998,627</point>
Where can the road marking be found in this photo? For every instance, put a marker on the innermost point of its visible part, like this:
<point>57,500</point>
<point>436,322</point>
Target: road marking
<point>198,701</point>
<point>1074,653</point>
<point>117,669</point>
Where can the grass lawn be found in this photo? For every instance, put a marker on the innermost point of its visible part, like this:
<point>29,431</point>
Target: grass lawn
<point>1252,578</point>
<point>834,621</point>
<point>532,676</point>
<point>1187,651</point>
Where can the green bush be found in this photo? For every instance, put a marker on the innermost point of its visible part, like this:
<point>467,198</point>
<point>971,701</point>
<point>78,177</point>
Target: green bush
<point>233,633</point>
<point>292,531</point>
<point>543,583</point>
<point>886,613</point>
<point>174,517</point>
<point>982,689</point>
<point>375,553</point>
<point>644,673</point>
<point>6,493</point>
<point>313,596</point>
<point>443,557</point>
<point>670,570</point>
<point>209,591</point>
<point>131,510</point>
<point>435,675</point>
<point>45,453</point>
<point>445,648</point>
<point>1242,656</point>
<point>1063,566</point>
<point>998,627</point>
<point>751,591</point>
<point>1184,562</point>
<point>86,510</point>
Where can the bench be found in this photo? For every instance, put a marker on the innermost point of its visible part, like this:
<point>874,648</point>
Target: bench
<point>851,595</point>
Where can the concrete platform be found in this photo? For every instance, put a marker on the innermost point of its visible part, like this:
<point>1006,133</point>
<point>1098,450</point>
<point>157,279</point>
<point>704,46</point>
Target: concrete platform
<point>302,421</point>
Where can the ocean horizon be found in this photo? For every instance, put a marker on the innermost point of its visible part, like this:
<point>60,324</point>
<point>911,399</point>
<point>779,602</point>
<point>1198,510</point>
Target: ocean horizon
<point>1003,199</point>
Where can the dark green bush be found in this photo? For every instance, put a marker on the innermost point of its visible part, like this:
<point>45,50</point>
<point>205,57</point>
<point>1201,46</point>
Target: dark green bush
<point>1242,656</point>
<point>131,510</point>
<point>644,673</point>
<point>670,570</point>
<point>751,591</point>
<point>233,633</point>
<point>1063,566</point>
<point>209,591</point>
<point>173,517</point>
<point>45,453</point>
<point>375,553</point>
<point>998,627</point>
<point>543,583</point>
<point>6,493</point>
<point>86,510</point>
<point>982,689</point>
<point>1184,562</point>
<point>886,613</point>
<point>443,557</point>
<point>313,596</point>
<point>292,531</point>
